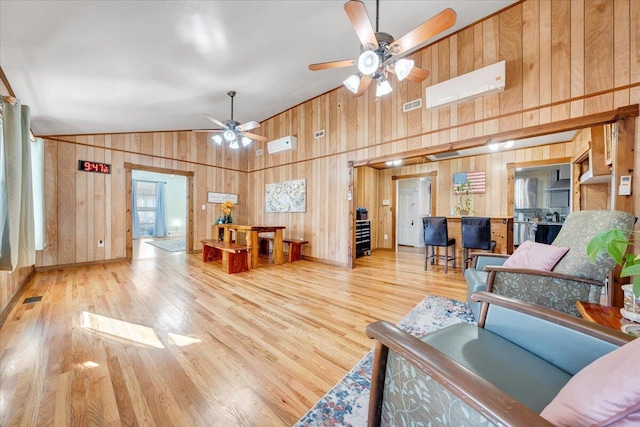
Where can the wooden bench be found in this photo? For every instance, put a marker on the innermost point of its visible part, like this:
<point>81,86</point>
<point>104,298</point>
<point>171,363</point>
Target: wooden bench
<point>295,246</point>
<point>238,255</point>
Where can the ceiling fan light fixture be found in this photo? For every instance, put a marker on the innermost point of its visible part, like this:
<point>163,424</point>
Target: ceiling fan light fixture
<point>352,83</point>
<point>217,139</point>
<point>383,87</point>
<point>246,141</point>
<point>234,144</point>
<point>229,135</point>
<point>403,68</point>
<point>368,62</point>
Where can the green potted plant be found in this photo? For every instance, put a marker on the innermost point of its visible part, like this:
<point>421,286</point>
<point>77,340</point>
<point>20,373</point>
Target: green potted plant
<point>463,207</point>
<point>615,243</point>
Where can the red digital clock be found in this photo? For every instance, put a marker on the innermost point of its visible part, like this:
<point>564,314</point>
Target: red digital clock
<point>88,166</point>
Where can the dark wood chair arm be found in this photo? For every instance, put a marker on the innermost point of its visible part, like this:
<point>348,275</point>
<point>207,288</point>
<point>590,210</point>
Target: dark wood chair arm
<point>488,255</point>
<point>549,274</point>
<point>576,323</point>
<point>479,394</point>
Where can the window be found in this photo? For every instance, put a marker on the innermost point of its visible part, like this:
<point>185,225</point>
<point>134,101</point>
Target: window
<point>146,199</point>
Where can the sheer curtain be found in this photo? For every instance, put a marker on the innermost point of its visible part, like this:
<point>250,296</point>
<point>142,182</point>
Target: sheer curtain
<point>161,222</point>
<point>134,208</point>
<point>37,176</point>
<point>18,230</point>
<point>4,207</point>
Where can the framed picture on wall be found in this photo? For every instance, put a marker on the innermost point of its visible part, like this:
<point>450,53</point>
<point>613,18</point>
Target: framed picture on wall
<point>221,197</point>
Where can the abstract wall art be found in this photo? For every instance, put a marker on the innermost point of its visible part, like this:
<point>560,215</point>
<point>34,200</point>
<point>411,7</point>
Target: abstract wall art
<point>288,196</point>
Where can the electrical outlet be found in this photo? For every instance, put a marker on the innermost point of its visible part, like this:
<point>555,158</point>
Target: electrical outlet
<point>101,243</point>
<point>386,237</point>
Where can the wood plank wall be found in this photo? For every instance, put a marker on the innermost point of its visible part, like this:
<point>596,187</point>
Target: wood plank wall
<point>565,59</point>
<point>83,207</point>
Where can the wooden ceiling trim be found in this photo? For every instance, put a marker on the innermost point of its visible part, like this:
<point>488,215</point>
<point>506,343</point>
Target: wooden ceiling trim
<point>528,132</point>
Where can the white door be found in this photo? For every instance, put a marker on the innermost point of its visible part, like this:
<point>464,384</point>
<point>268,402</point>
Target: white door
<point>408,227</point>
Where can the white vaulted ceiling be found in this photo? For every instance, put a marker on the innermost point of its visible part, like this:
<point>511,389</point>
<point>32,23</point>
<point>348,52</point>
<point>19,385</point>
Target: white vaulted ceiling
<point>123,66</point>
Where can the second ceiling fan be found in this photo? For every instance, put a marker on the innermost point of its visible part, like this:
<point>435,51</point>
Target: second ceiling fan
<point>233,132</point>
<point>381,54</point>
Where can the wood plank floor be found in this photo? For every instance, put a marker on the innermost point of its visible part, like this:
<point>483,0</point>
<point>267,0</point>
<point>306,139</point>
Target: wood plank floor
<point>171,341</point>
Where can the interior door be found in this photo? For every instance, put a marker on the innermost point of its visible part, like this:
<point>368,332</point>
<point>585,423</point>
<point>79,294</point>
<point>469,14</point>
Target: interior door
<point>408,227</point>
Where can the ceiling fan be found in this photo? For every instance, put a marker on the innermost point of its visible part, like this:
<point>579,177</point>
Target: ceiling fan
<point>381,54</point>
<point>233,132</point>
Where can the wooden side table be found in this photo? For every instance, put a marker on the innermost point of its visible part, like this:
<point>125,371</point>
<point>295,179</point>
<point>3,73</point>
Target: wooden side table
<point>602,314</point>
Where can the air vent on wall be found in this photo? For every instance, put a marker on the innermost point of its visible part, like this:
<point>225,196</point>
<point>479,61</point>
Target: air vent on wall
<point>412,105</point>
<point>318,134</point>
<point>441,156</point>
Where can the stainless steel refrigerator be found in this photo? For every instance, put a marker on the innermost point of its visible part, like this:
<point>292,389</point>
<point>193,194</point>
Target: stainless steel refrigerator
<point>526,191</point>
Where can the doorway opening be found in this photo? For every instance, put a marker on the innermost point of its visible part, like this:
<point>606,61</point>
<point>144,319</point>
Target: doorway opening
<point>541,202</point>
<point>175,225</point>
<point>159,214</point>
<point>413,203</point>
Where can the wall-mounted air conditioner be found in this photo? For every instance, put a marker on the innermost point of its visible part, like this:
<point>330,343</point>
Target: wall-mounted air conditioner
<point>467,86</point>
<point>283,144</point>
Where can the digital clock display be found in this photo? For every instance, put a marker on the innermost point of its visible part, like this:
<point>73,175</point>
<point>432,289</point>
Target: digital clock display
<point>88,166</point>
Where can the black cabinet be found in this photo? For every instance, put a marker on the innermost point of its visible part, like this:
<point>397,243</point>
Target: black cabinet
<point>363,237</point>
<point>546,233</point>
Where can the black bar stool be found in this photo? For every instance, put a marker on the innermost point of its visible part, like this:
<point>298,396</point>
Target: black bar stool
<point>436,233</point>
<point>476,234</point>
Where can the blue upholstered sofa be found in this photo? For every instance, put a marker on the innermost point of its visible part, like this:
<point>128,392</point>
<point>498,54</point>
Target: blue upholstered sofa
<point>504,371</point>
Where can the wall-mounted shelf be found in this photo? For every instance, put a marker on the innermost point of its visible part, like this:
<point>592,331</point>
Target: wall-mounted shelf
<point>593,161</point>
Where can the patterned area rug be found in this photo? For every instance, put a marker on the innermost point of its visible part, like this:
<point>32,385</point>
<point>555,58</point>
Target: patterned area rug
<point>347,403</point>
<point>173,245</point>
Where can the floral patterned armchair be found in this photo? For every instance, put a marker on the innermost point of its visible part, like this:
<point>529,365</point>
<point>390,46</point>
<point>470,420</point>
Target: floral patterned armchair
<point>504,371</point>
<point>574,278</point>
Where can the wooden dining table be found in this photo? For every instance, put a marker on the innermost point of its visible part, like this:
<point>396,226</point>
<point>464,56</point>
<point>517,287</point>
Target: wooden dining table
<point>251,232</point>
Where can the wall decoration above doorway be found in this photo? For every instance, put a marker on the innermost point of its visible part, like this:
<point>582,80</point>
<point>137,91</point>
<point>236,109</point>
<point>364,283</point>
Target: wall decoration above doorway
<point>288,196</point>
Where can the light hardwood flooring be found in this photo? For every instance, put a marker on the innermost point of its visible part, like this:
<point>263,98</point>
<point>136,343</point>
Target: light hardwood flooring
<point>171,341</point>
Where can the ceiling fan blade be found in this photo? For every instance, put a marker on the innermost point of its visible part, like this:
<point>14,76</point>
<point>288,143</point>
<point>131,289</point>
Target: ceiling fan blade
<point>248,126</point>
<point>357,14</point>
<point>254,136</point>
<point>365,81</point>
<point>431,27</point>
<point>332,64</point>
<point>208,130</point>
<point>417,75</point>
<point>216,121</point>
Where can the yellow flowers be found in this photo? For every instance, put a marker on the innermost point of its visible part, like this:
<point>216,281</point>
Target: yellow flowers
<point>226,207</point>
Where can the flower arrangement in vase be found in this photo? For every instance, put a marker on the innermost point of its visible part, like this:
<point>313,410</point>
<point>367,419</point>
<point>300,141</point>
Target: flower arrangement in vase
<point>226,212</point>
<point>463,207</point>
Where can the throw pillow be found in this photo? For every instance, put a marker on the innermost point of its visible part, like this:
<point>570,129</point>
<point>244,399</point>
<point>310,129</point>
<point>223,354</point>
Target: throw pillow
<point>605,392</point>
<point>536,256</point>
